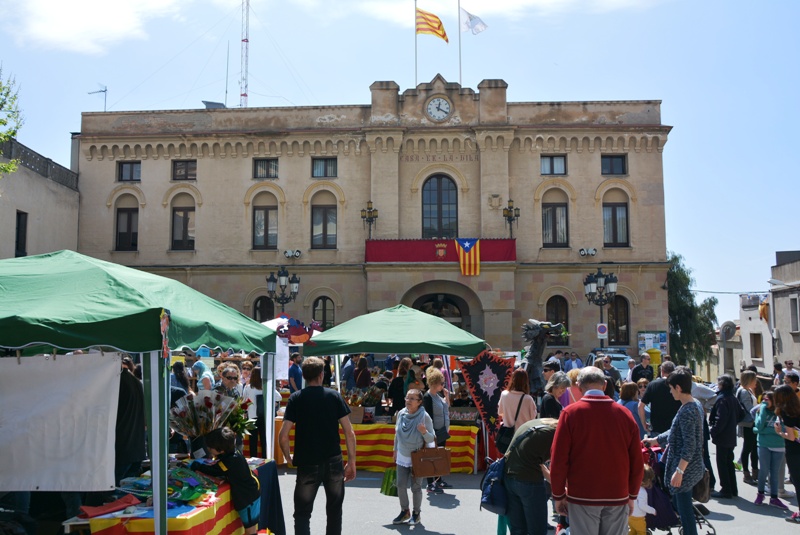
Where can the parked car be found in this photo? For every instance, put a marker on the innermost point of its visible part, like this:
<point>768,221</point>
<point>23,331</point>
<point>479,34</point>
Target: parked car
<point>619,359</point>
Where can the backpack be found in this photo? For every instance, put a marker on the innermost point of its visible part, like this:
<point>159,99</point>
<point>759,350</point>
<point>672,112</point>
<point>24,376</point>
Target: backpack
<point>493,492</point>
<point>743,416</point>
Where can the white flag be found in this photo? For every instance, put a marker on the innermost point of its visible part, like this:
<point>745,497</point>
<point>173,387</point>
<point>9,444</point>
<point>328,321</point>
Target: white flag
<point>470,22</point>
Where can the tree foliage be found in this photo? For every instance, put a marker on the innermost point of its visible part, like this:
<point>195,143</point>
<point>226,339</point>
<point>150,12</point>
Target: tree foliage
<point>10,118</point>
<point>691,326</point>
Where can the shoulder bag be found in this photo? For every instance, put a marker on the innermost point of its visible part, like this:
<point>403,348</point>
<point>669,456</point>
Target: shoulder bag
<point>430,462</point>
<point>505,434</point>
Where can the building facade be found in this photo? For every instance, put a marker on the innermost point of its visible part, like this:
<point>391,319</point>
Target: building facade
<point>38,204</point>
<point>785,304</point>
<point>220,198</point>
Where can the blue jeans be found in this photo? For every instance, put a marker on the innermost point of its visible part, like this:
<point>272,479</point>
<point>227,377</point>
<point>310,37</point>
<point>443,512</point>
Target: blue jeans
<point>527,507</point>
<point>683,503</point>
<point>331,476</point>
<point>771,461</point>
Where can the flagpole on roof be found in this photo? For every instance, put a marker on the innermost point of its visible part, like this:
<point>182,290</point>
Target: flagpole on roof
<point>459,42</point>
<point>415,42</point>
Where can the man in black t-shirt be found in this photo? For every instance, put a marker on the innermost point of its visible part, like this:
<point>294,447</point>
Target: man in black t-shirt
<point>663,407</point>
<point>317,413</point>
<point>643,370</point>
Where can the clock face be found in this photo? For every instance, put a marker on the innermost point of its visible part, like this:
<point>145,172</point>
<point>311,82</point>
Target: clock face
<point>438,108</point>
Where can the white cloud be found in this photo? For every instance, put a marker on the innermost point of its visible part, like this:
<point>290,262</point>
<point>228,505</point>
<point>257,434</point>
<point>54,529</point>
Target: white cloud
<point>83,26</point>
<point>94,26</point>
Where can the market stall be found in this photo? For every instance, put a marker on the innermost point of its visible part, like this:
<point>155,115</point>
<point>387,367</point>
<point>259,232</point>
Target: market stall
<point>68,301</point>
<point>402,330</point>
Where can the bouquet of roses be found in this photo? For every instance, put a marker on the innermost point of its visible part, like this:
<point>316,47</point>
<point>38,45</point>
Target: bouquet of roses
<point>194,415</point>
<point>238,419</point>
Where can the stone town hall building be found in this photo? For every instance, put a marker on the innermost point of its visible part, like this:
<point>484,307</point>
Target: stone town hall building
<point>215,197</point>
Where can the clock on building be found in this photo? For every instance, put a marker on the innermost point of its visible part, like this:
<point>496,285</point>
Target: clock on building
<point>438,108</point>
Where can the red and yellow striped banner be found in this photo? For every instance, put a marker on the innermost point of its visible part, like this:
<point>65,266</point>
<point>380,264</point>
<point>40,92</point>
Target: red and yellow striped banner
<point>430,24</point>
<point>219,518</point>
<point>375,446</point>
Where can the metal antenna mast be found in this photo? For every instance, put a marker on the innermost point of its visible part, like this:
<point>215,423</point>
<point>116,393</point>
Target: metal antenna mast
<point>104,91</point>
<point>245,51</point>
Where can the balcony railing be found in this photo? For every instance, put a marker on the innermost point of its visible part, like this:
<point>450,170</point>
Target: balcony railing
<point>14,150</point>
<point>434,251</point>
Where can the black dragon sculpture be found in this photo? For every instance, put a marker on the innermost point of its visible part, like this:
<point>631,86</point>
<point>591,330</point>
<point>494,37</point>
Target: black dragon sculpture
<point>536,333</point>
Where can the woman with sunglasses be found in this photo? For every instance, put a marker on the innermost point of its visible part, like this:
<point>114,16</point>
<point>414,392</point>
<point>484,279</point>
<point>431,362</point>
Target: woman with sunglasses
<point>414,429</point>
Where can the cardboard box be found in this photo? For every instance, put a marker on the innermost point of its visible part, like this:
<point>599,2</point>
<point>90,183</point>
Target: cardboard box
<point>356,415</point>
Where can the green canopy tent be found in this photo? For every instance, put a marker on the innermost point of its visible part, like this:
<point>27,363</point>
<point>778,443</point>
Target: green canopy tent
<point>69,301</point>
<point>398,329</point>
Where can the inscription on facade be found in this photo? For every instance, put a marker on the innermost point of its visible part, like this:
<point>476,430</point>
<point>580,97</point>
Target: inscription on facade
<point>431,158</point>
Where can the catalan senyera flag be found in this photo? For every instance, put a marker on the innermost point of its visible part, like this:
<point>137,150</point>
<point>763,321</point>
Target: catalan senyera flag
<point>430,24</point>
<point>469,255</point>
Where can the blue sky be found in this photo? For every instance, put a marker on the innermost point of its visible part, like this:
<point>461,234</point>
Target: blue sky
<point>726,72</point>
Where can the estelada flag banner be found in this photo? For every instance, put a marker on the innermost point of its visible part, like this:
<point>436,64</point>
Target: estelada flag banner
<point>469,255</point>
<point>430,24</point>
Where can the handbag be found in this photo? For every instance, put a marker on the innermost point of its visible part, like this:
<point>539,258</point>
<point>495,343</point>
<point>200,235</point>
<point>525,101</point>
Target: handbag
<point>505,434</point>
<point>441,435</point>
<point>389,484</point>
<point>430,462</point>
<point>701,492</point>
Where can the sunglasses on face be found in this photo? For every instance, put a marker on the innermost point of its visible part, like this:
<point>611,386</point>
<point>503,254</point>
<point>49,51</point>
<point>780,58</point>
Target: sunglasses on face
<point>247,368</point>
<point>230,377</point>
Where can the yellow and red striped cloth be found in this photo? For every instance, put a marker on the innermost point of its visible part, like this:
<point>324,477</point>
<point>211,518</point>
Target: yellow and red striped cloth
<point>430,24</point>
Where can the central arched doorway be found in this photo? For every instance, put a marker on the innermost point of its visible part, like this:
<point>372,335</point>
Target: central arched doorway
<point>450,301</point>
<point>450,308</point>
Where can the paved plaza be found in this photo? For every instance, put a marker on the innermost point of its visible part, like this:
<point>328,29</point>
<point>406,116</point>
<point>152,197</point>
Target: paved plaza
<point>457,512</point>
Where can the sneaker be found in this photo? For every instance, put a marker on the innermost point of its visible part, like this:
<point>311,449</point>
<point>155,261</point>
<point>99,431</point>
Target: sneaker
<point>402,518</point>
<point>414,519</point>
<point>433,489</point>
<point>759,498</point>
<point>786,494</point>
<point>776,502</point>
<point>442,484</point>
<point>794,519</point>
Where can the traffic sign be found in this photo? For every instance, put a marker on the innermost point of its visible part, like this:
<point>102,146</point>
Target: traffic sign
<point>602,331</point>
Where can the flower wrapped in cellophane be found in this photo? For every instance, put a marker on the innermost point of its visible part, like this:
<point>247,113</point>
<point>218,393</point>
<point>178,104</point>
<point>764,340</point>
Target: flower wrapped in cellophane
<point>195,415</point>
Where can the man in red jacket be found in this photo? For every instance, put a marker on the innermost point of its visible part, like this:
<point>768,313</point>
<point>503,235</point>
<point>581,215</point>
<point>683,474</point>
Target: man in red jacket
<point>600,495</point>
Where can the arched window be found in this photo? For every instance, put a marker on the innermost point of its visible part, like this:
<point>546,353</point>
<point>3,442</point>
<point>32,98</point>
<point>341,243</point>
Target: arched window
<point>323,312</point>
<point>558,312</point>
<point>323,221</point>
<point>439,208</point>
<point>127,231</point>
<point>183,221</point>
<point>616,227</point>
<point>263,309</point>
<point>555,224</point>
<point>618,322</point>
<point>265,221</point>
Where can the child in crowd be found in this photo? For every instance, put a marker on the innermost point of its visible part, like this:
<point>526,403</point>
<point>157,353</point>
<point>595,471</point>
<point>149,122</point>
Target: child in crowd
<point>231,465</point>
<point>636,522</point>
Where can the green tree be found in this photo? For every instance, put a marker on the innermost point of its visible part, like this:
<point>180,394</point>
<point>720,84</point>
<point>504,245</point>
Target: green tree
<point>691,326</point>
<point>10,118</point>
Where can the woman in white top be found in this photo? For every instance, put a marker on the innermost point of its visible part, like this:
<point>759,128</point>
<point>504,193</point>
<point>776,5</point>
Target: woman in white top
<point>253,391</point>
<point>518,392</point>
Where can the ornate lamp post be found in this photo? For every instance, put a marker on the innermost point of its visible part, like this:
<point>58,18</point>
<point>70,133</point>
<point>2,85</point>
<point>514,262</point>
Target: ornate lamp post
<point>600,289</point>
<point>511,214</point>
<point>283,281</point>
<point>369,216</point>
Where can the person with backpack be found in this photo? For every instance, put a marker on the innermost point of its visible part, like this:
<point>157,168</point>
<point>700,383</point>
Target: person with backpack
<point>727,412</point>
<point>525,478</point>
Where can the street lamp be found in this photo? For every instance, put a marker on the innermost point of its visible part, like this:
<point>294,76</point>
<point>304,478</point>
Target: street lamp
<point>511,214</point>
<point>283,281</point>
<point>369,216</point>
<point>600,289</point>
